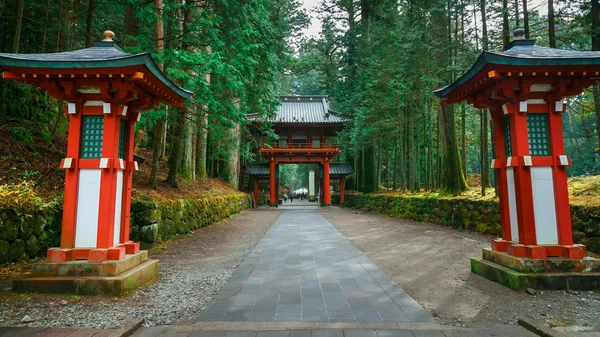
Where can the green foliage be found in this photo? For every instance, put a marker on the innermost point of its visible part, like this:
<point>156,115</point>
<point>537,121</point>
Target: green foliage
<point>21,134</point>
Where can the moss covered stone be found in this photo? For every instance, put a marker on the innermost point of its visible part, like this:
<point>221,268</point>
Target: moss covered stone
<point>9,225</point>
<point>147,217</point>
<point>4,248</point>
<point>25,226</point>
<point>39,224</point>
<point>16,250</point>
<point>32,246</point>
<point>149,233</point>
<point>593,244</point>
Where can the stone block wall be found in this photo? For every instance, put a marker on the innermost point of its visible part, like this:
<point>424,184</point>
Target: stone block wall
<point>153,221</point>
<point>27,233</point>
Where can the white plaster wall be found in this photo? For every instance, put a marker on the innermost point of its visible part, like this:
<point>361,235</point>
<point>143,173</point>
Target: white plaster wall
<point>512,205</point>
<point>544,208</point>
<point>88,205</point>
<point>118,204</point>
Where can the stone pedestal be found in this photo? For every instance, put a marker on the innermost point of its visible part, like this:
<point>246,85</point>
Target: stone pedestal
<point>83,277</point>
<point>520,273</point>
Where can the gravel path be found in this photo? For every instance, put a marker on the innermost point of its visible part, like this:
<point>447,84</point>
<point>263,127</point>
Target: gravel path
<point>431,263</point>
<point>193,269</point>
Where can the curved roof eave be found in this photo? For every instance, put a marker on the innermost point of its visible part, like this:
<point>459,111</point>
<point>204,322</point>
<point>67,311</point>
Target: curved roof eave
<point>142,59</point>
<point>493,58</point>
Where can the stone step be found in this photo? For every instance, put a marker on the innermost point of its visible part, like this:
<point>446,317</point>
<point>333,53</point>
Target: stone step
<point>521,281</point>
<point>118,285</point>
<point>86,268</point>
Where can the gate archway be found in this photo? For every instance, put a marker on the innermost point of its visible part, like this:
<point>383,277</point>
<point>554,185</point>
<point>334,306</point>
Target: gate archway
<point>306,126</point>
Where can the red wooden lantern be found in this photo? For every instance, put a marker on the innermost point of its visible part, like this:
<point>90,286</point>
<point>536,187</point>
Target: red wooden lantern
<point>106,89</point>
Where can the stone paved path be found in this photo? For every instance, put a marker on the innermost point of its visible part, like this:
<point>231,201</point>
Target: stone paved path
<point>304,269</point>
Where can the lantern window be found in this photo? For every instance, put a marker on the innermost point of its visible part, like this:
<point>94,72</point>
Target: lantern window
<point>507,140</point>
<point>537,131</point>
<point>122,134</point>
<point>93,132</point>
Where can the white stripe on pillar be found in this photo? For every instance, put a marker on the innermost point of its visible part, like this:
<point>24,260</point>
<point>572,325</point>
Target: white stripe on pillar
<point>88,206</point>
<point>71,108</point>
<point>544,210</point>
<point>118,204</point>
<point>512,205</point>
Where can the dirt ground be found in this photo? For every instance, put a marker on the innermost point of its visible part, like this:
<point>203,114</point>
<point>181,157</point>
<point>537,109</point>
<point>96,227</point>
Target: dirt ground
<point>431,263</point>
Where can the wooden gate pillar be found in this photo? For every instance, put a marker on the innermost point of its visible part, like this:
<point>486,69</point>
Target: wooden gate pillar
<point>326,184</point>
<point>272,187</point>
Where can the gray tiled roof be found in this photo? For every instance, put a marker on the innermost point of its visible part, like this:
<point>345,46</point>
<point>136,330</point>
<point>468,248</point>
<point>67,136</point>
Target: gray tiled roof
<point>340,169</point>
<point>302,110</point>
<point>335,169</point>
<point>524,53</point>
<point>101,56</point>
<point>257,169</point>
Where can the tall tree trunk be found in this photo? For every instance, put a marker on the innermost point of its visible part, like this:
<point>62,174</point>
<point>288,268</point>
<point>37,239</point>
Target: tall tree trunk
<point>517,18</point>
<point>463,109</point>
<point>485,160</point>
<point>551,32</point>
<point>60,10</point>
<point>89,35</point>
<point>454,180</point>
<point>45,33</point>
<point>526,19</point>
<point>596,47</point>
<point>189,143</point>
<point>176,147</point>
<point>202,139</point>
<point>160,127</point>
<point>505,27</point>
<point>18,25</point>
<point>484,32</point>
<point>14,49</point>
<point>370,173</point>
<point>395,177</point>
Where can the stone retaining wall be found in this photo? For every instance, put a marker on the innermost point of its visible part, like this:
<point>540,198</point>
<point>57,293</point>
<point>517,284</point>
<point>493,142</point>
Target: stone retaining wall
<point>481,216</point>
<point>27,233</point>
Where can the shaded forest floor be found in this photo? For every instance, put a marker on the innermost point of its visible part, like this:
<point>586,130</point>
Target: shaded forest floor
<point>27,155</point>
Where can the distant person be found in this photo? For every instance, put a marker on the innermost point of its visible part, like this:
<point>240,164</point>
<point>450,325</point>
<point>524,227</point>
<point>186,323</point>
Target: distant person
<point>285,198</point>
<point>291,198</point>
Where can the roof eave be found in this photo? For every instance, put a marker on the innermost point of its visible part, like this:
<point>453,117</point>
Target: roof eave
<point>491,58</point>
<point>142,59</point>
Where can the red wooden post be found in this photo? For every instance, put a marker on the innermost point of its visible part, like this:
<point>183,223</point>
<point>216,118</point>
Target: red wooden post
<point>67,239</point>
<point>559,173</point>
<point>256,191</point>
<point>272,187</point>
<point>342,185</point>
<point>326,185</point>
<point>499,164</point>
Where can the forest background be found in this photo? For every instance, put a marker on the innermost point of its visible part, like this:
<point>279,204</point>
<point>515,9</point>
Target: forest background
<point>378,60</point>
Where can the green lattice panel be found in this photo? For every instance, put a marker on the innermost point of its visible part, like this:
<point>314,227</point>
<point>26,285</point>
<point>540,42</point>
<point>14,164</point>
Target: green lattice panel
<point>537,131</point>
<point>93,130</point>
<point>507,140</point>
<point>122,134</point>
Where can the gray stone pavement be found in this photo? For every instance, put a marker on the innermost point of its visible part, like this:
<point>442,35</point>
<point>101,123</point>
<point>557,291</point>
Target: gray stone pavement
<point>304,269</point>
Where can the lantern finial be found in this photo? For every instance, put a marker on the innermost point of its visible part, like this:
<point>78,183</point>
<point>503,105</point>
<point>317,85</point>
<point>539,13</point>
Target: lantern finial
<point>108,36</point>
<point>519,34</point>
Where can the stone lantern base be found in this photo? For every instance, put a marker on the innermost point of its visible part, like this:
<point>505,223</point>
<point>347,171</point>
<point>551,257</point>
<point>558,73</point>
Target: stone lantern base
<point>82,277</point>
<point>519,273</point>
